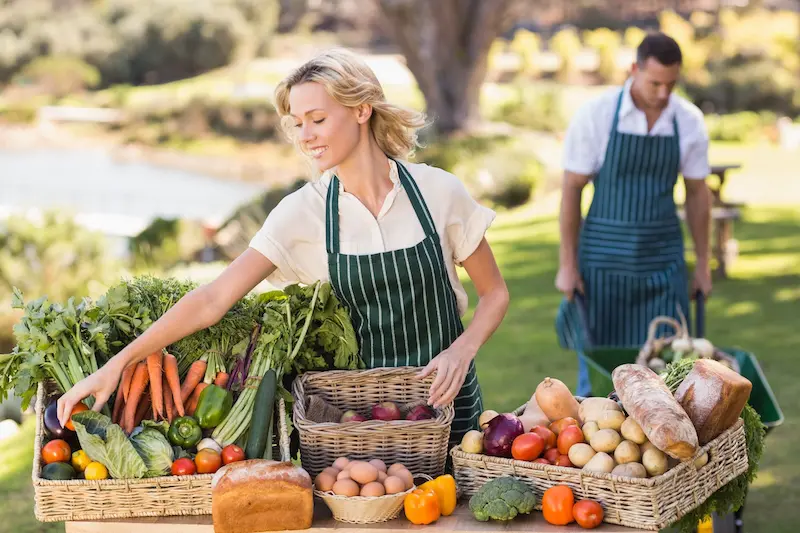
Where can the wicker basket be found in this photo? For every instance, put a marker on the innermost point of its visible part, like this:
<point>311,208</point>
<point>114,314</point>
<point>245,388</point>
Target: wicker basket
<point>365,509</point>
<point>79,499</point>
<point>421,446</point>
<point>652,503</point>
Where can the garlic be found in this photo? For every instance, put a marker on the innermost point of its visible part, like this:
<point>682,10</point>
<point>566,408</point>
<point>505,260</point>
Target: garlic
<point>681,345</point>
<point>703,347</point>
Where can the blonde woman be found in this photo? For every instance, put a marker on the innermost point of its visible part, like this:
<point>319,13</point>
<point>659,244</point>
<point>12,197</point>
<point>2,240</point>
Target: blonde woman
<point>386,233</point>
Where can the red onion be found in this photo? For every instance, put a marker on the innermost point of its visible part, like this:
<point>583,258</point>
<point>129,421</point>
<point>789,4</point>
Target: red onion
<point>500,434</point>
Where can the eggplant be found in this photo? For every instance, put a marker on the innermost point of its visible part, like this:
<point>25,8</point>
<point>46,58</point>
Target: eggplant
<point>52,424</point>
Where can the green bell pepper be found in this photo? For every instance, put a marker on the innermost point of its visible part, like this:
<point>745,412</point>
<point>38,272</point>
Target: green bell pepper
<point>185,432</point>
<point>213,406</point>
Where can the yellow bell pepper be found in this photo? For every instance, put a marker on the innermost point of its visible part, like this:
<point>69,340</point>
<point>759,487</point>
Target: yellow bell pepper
<point>422,507</point>
<point>445,489</point>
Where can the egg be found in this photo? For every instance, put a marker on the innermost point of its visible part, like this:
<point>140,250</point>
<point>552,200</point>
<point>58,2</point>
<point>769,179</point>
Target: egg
<point>394,485</point>
<point>346,487</point>
<point>363,473</point>
<point>324,481</point>
<point>394,468</point>
<point>344,474</point>
<point>332,471</point>
<point>380,465</point>
<point>373,489</point>
<point>406,476</point>
<point>382,476</point>
<point>341,463</point>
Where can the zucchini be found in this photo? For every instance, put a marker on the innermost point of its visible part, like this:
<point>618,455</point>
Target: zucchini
<point>262,416</point>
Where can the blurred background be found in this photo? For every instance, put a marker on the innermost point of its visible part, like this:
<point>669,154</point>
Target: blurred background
<point>139,136</point>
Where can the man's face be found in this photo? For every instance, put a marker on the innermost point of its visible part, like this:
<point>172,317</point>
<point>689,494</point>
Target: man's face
<point>654,82</point>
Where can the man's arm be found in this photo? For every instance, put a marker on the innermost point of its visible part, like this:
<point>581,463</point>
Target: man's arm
<point>568,279</point>
<point>698,217</point>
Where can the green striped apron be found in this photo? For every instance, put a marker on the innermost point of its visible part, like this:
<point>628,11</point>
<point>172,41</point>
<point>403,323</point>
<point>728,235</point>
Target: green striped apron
<point>401,302</point>
<point>630,251</point>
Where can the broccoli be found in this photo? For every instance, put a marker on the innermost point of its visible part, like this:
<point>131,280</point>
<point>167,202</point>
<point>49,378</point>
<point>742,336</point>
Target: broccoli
<point>502,498</point>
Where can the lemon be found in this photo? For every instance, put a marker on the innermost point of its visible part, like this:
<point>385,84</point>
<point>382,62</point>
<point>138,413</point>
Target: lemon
<point>80,460</point>
<point>95,470</point>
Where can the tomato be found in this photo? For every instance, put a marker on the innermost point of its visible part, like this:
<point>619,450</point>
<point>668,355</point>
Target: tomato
<point>588,514</point>
<point>208,461</point>
<point>183,467</point>
<point>557,504</point>
<point>56,451</point>
<point>95,470</point>
<point>80,460</point>
<point>551,455</point>
<point>77,409</point>
<point>548,436</point>
<point>569,435</point>
<point>563,460</point>
<point>559,425</point>
<point>232,453</point>
<point>542,460</point>
<point>527,447</point>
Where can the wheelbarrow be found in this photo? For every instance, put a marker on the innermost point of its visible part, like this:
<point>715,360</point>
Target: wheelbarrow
<point>602,360</point>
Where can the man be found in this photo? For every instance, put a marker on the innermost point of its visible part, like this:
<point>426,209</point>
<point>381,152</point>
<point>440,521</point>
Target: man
<point>627,258</point>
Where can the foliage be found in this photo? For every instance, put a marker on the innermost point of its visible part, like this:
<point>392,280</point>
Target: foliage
<point>165,243</point>
<point>538,110</point>
<point>744,126</point>
<point>607,44</point>
<point>59,76</point>
<point>566,44</point>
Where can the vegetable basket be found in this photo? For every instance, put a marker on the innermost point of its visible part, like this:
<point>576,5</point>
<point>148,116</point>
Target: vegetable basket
<point>80,499</point>
<point>421,445</point>
<point>652,503</point>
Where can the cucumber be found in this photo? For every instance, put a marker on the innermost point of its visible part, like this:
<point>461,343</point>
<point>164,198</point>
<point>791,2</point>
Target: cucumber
<point>261,422</point>
<point>58,471</point>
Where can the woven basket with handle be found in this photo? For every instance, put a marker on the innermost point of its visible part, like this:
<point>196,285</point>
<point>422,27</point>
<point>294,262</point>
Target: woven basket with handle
<point>80,499</point>
<point>652,503</point>
<point>421,446</point>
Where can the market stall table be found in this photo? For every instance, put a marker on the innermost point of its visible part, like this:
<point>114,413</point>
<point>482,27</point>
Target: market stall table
<point>460,521</point>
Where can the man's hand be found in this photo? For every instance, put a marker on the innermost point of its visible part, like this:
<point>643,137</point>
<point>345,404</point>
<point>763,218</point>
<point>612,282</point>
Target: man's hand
<point>568,280</point>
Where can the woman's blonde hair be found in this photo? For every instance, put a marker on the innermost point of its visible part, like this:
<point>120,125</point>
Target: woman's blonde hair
<point>351,82</point>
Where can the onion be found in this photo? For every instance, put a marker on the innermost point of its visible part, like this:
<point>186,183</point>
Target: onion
<point>499,435</point>
<point>209,443</point>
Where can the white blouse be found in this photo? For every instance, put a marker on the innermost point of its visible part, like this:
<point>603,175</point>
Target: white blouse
<point>588,133</point>
<point>293,236</point>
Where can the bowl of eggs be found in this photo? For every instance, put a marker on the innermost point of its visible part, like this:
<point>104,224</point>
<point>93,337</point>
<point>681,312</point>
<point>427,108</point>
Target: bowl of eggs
<point>364,492</point>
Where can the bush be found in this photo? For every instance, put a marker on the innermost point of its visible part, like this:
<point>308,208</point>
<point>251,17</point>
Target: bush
<point>59,76</point>
<point>745,126</point>
<point>534,109</point>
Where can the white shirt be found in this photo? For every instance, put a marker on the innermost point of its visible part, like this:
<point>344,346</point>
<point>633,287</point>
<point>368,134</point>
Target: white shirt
<point>588,134</point>
<point>293,236</point>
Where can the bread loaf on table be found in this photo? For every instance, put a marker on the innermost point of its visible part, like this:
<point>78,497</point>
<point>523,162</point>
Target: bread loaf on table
<point>261,495</point>
<point>713,396</point>
<point>650,403</point>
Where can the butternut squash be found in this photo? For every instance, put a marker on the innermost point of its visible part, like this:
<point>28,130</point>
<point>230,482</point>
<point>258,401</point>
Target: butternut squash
<point>555,400</point>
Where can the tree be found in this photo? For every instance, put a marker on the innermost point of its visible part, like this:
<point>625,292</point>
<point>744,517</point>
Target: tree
<point>446,44</point>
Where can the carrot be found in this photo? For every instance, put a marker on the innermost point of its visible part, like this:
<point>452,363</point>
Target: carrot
<point>138,385</point>
<point>127,376</point>
<point>174,381</point>
<point>119,402</point>
<point>195,398</point>
<point>222,379</point>
<point>169,406</point>
<point>194,376</point>
<point>141,412</point>
<point>156,391</point>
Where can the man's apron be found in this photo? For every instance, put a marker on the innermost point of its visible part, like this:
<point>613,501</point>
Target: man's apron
<point>401,303</point>
<point>630,251</point>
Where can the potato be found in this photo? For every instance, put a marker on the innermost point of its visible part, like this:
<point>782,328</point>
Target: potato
<point>600,462</point>
<point>580,454</point>
<point>655,462</point>
<point>605,440</point>
<point>589,429</point>
<point>647,446</point>
<point>630,470</point>
<point>590,409</point>
<point>611,420</point>
<point>701,461</point>
<point>632,431</point>
<point>627,452</point>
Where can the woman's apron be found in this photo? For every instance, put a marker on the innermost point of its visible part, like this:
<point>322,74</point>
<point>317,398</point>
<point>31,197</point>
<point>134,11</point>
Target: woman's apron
<point>401,303</point>
<point>630,252</point>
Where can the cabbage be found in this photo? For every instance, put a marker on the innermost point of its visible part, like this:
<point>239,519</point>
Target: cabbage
<point>107,444</point>
<point>156,451</point>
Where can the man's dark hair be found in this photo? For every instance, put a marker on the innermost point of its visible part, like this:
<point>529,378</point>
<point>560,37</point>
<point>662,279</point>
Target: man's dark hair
<point>661,47</point>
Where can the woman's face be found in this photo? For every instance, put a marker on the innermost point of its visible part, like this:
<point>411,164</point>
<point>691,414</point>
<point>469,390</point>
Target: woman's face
<point>326,130</point>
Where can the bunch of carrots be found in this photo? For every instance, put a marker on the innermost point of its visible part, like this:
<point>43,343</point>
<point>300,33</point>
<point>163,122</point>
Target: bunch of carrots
<point>153,387</point>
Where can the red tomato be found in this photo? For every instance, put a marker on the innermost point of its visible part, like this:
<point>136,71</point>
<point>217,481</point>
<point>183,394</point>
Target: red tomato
<point>56,451</point>
<point>569,435</point>
<point>208,461</point>
<point>551,455</point>
<point>527,447</point>
<point>232,453</point>
<point>588,514</point>
<point>542,460</point>
<point>77,409</point>
<point>183,467</point>
<point>563,460</point>
<point>548,436</point>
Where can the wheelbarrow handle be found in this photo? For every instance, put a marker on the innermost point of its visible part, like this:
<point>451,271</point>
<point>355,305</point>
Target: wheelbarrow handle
<point>583,315</point>
<point>700,310</point>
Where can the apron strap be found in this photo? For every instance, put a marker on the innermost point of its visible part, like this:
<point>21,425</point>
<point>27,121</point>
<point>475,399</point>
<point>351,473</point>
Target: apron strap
<point>417,202</point>
<point>332,217</point>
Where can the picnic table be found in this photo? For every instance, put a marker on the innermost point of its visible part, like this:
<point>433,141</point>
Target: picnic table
<point>460,521</point>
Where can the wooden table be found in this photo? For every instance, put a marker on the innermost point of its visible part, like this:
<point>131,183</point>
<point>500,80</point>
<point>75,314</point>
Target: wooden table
<point>460,521</point>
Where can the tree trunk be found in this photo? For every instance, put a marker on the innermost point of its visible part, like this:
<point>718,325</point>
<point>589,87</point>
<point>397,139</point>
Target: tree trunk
<point>446,45</point>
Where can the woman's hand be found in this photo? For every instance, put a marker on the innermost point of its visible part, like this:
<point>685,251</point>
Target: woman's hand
<point>452,366</point>
<point>101,385</point>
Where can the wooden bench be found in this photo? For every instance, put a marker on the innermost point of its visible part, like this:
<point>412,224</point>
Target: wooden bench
<point>724,247</point>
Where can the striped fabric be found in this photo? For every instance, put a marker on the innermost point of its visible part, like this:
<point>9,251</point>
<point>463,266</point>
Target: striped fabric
<point>630,249</point>
<point>401,303</point>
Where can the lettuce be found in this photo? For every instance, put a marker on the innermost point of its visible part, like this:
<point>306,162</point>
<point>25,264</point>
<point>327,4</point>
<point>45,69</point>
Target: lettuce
<point>156,451</point>
<point>107,444</point>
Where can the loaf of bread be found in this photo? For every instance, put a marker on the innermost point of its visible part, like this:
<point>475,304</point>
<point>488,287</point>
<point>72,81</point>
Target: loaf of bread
<point>713,396</point>
<point>261,495</point>
<point>650,403</point>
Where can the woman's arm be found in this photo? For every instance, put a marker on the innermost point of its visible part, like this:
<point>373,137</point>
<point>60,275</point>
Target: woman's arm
<point>199,309</point>
<point>453,363</point>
